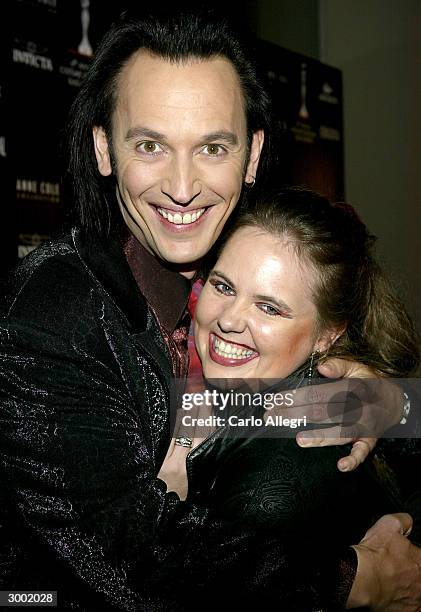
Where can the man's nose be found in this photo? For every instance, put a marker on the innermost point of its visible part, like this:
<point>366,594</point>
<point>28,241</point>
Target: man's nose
<point>233,319</point>
<point>181,184</point>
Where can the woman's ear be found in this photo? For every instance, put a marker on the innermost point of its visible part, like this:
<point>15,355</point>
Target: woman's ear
<point>102,152</point>
<point>327,338</point>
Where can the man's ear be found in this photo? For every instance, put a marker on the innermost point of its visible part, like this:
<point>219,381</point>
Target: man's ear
<point>102,152</point>
<point>327,338</point>
<point>255,151</point>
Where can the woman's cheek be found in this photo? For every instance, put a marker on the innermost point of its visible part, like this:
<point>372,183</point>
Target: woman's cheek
<point>299,340</point>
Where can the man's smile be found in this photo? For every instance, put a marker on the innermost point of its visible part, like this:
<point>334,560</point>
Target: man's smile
<point>178,218</point>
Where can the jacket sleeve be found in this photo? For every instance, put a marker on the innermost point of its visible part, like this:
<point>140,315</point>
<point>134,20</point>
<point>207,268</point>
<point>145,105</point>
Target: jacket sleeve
<point>84,501</point>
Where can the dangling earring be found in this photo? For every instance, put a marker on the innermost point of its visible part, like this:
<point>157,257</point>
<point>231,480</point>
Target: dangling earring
<point>251,184</point>
<point>310,372</point>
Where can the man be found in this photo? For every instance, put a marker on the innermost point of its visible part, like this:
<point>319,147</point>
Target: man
<point>94,326</point>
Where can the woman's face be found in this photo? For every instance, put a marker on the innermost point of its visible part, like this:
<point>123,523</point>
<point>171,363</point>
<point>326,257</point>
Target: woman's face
<point>255,317</point>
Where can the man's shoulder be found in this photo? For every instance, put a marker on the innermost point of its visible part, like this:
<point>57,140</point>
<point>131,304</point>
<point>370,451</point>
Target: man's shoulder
<point>50,274</point>
<point>70,280</point>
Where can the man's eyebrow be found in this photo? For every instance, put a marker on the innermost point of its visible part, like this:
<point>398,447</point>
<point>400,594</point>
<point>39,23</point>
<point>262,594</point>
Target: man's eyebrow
<point>228,137</point>
<point>142,132</point>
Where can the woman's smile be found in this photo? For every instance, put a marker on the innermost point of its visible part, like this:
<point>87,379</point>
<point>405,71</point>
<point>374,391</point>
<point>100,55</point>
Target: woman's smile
<point>229,353</point>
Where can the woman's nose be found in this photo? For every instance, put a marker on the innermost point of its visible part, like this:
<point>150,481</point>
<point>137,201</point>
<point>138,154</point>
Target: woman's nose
<point>233,318</point>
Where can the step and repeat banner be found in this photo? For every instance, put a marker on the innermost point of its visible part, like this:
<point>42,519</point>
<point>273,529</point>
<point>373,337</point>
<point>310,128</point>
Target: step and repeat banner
<point>50,49</point>
<point>8,250</point>
<point>46,52</point>
<point>307,99</point>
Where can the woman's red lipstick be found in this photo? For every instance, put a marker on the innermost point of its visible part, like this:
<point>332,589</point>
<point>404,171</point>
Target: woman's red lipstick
<point>228,361</point>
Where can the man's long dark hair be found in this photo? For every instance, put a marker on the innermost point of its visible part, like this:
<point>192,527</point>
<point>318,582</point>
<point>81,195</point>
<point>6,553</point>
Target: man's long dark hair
<point>90,198</point>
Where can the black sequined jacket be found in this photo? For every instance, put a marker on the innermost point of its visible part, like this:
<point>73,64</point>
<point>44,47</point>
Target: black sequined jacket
<point>84,427</point>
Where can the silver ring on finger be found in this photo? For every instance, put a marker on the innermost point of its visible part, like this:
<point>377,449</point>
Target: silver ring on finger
<point>184,441</point>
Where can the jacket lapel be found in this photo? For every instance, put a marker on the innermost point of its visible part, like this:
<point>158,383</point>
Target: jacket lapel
<point>107,264</point>
<point>152,341</point>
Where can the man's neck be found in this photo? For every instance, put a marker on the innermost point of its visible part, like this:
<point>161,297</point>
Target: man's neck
<point>189,274</point>
<point>189,270</point>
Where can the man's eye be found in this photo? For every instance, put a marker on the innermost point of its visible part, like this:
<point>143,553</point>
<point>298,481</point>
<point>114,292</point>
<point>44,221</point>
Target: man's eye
<point>149,147</point>
<point>214,150</point>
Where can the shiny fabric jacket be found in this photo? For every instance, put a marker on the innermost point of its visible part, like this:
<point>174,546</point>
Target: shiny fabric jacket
<point>84,428</point>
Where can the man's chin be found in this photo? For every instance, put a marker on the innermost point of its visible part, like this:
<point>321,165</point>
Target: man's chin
<point>185,267</point>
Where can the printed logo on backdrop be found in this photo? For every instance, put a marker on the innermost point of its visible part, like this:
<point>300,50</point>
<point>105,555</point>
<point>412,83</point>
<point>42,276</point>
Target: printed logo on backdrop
<point>33,55</point>
<point>302,129</point>
<point>78,52</point>
<point>33,189</point>
<point>74,71</point>
<point>29,242</point>
<point>2,114</point>
<point>273,76</point>
<point>51,5</point>
<point>85,47</point>
<point>327,94</point>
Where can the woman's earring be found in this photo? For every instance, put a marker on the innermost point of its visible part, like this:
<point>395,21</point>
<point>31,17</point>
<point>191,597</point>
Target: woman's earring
<point>310,372</point>
<point>251,184</point>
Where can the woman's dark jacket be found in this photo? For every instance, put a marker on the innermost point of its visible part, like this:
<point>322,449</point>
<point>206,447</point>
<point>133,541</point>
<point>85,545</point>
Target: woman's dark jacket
<point>84,428</point>
<point>257,475</point>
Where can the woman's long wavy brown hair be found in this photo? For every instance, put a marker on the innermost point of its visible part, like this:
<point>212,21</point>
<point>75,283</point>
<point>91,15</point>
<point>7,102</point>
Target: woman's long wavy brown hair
<point>351,290</point>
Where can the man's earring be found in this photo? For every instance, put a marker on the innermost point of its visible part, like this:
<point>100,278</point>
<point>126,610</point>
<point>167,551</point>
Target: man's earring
<point>251,184</point>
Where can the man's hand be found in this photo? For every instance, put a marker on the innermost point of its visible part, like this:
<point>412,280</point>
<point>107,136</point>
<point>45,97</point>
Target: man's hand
<point>388,577</point>
<point>382,409</point>
<point>358,407</point>
<point>173,470</point>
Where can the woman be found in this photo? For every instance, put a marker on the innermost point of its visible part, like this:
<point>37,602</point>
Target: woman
<point>295,241</point>
<point>294,282</point>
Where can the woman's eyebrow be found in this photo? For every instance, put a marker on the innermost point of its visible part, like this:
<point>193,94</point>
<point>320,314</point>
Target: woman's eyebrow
<point>280,303</point>
<point>221,275</point>
<point>263,298</point>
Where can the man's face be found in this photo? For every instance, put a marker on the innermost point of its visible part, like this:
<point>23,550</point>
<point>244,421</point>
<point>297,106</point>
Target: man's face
<point>180,148</point>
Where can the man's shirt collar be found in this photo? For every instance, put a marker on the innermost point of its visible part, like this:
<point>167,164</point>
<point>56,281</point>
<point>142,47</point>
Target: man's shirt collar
<point>166,291</point>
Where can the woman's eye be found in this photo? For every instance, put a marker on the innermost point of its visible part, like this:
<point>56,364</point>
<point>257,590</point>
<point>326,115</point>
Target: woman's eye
<point>268,309</point>
<point>222,287</point>
<point>149,147</point>
<point>214,150</point>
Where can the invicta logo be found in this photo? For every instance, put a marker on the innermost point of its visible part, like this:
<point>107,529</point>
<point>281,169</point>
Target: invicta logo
<point>31,59</point>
